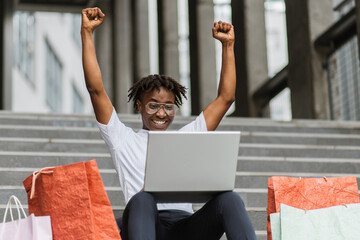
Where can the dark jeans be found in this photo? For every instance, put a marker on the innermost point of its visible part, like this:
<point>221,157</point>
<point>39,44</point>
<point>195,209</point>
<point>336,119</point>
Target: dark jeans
<point>224,213</point>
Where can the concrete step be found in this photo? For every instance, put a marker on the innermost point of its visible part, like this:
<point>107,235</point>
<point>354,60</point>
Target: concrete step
<point>292,129</point>
<point>257,215</point>
<point>301,138</point>
<point>62,120</point>
<point>298,165</point>
<point>134,121</point>
<point>245,149</point>
<point>260,179</point>
<point>114,193</point>
<point>23,131</point>
<point>38,160</point>
<point>29,131</point>
<point>299,126</point>
<point>53,145</point>
<point>297,150</point>
<point>15,176</point>
<point>252,198</point>
<point>95,145</point>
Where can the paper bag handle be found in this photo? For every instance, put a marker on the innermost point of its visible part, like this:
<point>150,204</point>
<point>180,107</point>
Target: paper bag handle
<point>18,206</point>
<point>35,175</point>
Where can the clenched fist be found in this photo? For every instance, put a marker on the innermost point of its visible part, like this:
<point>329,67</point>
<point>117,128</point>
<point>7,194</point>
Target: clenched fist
<point>224,32</point>
<point>91,18</point>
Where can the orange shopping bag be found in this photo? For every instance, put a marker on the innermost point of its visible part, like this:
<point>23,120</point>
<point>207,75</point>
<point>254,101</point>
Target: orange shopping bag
<point>75,198</point>
<point>309,193</point>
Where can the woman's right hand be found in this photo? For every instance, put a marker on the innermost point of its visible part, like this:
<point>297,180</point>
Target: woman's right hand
<point>91,18</point>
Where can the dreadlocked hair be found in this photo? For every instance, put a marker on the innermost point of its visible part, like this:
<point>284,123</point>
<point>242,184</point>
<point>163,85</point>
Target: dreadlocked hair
<point>151,82</point>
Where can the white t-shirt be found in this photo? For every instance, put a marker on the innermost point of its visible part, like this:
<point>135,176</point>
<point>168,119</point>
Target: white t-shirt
<point>128,151</point>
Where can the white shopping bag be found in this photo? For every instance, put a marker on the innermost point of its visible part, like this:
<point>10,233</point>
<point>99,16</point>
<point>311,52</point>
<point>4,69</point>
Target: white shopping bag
<point>332,223</point>
<point>27,228</point>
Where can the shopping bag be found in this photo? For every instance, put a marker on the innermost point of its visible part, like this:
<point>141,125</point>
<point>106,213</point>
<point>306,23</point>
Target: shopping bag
<point>27,228</point>
<point>275,226</point>
<point>332,223</point>
<point>75,198</point>
<point>310,193</point>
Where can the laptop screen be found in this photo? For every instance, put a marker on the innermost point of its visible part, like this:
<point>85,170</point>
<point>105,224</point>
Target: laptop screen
<point>191,162</point>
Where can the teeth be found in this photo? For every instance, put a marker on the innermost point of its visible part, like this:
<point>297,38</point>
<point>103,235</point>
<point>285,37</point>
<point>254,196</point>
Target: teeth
<point>159,122</point>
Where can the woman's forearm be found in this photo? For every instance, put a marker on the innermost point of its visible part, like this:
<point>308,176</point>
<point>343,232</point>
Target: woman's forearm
<point>91,67</point>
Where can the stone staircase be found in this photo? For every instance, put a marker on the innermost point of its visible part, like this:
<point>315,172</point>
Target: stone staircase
<point>303,148</point>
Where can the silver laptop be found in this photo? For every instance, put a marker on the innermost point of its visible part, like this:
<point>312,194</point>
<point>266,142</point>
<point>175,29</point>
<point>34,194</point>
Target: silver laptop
<point>190,166</point>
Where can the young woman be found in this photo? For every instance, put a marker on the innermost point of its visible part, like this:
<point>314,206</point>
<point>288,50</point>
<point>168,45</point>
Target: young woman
<point>156,97</point>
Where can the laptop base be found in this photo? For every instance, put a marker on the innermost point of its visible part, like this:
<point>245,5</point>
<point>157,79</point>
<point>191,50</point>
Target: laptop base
<point>184,197</point>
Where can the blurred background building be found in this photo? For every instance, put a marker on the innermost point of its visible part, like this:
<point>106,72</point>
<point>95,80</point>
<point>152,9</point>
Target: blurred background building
<point>295,59</point>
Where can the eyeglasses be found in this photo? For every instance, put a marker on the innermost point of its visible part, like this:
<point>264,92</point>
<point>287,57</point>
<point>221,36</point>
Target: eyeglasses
<point>154,107</point>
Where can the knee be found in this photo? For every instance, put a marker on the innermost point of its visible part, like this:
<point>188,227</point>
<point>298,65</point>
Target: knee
<point>230,199</point>
<point>142,200</point>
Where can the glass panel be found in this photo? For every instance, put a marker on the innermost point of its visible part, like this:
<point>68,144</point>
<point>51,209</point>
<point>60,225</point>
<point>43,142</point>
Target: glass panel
<point>53,80</point>
<point>344,70</point>
<point>24,35</point>
<point>75,27</point>
<point>280,106</point>
<point>276,36</point>
<point>78,102</point>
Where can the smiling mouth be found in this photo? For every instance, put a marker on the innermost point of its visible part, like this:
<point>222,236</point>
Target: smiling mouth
<point>159,122</point>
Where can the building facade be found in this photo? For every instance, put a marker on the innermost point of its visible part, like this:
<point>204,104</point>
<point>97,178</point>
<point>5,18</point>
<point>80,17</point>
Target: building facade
<point>315,69</point>
<point>47,71</point>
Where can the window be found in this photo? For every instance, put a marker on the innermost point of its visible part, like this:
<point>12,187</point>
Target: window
<point>24,43</point>
<point>342,7</point>
<point>344,80</point>
<point>77,101</point>
<point>276,36</point>
<point>76,26</point>
<point>280,106</point>
<point>53,80</point>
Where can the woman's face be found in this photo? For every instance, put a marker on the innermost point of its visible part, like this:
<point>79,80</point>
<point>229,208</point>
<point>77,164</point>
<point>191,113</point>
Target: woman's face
<point>160,120</point>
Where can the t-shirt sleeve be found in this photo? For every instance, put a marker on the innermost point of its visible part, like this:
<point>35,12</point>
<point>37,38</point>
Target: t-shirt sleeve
<point>114,132</point>
<point>198,125</point>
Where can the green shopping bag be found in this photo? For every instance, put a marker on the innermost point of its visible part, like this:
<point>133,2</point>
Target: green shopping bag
<point>332,223</point>
<point>275,226</point>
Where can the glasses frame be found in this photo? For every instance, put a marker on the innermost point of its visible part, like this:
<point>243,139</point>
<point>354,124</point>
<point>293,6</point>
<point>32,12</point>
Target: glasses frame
<point>148,110</point>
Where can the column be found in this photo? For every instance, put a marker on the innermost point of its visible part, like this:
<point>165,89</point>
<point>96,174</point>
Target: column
<point>168,38</point>
<point>194,56</point>
<point>250,54</point>
<point>207,55</point>
<point>357,2</point>
<point>202,54</point>
<point>140,18</point>
<point>6,53</point>
<point>307,77</point>
<point>123,58</point>
<point>104,49</point>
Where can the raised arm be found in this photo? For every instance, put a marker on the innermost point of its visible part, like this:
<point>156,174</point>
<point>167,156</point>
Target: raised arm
<point>92,18</point>
<point>216,110</point>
